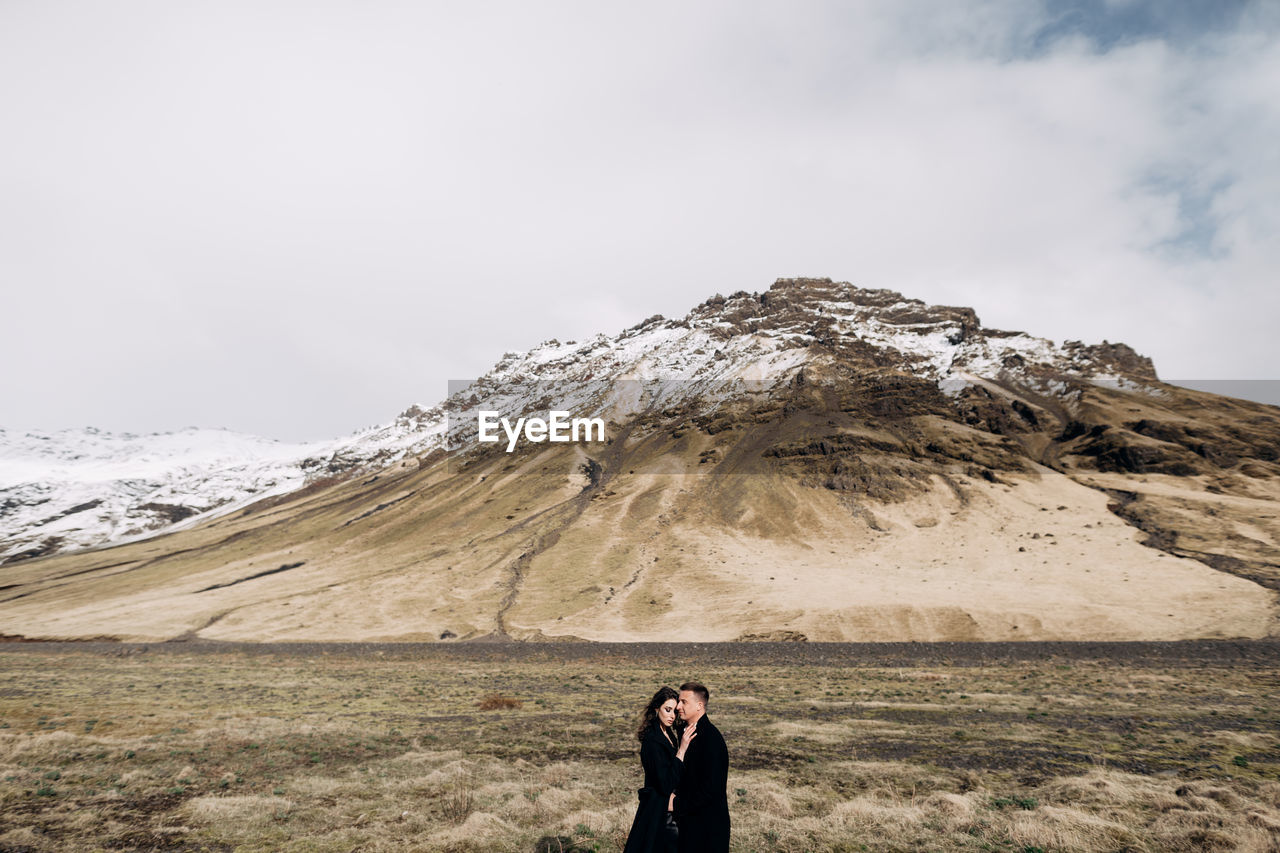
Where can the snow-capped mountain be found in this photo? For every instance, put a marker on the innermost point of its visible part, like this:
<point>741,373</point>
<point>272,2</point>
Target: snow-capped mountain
<point>80,488</point>
<point>816,461</point>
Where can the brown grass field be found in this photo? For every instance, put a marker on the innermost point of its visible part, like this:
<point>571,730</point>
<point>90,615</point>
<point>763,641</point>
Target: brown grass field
<point>1034,747</point>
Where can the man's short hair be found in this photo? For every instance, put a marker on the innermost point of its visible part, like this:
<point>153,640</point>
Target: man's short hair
<point>703,694</point>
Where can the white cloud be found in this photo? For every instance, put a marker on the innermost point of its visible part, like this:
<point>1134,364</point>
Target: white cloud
<point>296,219</point>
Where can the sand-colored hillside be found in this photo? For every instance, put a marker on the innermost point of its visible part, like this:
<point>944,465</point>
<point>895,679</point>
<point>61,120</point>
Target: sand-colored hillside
<point>1042,559</point>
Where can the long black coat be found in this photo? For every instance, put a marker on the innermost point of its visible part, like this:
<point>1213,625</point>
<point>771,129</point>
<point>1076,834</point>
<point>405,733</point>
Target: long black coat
<point>702,802</point>
<point>662,772</point>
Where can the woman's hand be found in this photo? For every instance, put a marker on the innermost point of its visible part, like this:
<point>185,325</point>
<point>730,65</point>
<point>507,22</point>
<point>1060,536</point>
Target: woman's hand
<point>671,802</point>
<point>690,733</point>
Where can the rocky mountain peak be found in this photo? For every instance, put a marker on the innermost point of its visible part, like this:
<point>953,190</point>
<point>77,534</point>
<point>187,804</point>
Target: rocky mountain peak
<point>847,300</point>
<point>794,305</point>
<point>878,329</point>
<point>1120,359</point>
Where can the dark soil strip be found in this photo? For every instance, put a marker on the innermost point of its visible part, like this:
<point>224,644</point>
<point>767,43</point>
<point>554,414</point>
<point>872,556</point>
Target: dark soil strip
<point>378,508</point>
<point>286,567</point>
<point>566,513</point>
<point>1213,652</point>
<point>58,577</point>
<point>133,565</point>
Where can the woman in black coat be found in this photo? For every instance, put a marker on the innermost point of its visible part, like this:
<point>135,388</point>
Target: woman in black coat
<point>662,755</point>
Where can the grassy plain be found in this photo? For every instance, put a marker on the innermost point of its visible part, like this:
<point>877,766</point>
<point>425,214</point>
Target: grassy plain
<point>1140,747</point>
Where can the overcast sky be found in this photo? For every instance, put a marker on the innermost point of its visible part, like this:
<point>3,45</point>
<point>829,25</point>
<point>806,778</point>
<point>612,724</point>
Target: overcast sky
<point>295,219</point>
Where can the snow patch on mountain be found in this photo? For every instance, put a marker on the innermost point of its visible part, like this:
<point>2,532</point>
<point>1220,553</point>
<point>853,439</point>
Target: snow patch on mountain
<point>81,488</point>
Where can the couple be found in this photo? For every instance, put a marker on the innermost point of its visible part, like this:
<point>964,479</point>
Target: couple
<point>684,804</point>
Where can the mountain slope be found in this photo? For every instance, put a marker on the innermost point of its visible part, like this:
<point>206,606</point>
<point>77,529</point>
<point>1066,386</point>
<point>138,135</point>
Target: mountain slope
<point>816,460</point>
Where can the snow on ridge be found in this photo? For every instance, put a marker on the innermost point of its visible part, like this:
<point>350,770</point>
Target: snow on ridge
<point>92,455</point>
<point>81,488</point>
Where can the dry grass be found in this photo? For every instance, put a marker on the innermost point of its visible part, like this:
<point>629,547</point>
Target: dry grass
<point>221,751</point>
<point>498,702</point>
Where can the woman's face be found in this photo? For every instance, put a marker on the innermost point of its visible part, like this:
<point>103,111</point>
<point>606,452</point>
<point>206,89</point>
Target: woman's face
<point>667,713</point>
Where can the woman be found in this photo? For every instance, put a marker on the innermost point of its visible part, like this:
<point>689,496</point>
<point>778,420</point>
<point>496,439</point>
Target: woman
<point>662,755</point>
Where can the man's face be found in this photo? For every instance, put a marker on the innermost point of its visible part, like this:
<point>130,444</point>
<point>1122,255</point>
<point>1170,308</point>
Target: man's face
<point>689,707</point>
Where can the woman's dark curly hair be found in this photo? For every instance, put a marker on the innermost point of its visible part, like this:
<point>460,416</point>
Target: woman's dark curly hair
<point>650,716</point>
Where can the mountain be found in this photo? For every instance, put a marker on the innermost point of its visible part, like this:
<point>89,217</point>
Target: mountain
<point>817,460</point>
<point>75,489</point>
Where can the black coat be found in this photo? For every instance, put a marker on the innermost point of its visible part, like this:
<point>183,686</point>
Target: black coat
<point>702,801</point>
<point>661,774</point>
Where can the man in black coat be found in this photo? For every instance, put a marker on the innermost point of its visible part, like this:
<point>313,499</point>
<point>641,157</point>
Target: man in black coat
<point>701,797</point>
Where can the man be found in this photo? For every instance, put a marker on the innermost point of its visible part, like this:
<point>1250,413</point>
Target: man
<point>701,802</point>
